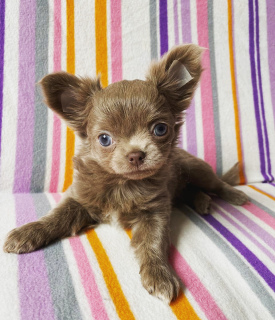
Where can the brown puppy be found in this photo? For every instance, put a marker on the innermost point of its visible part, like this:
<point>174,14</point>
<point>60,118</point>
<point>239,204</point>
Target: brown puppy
<point>129,166</point>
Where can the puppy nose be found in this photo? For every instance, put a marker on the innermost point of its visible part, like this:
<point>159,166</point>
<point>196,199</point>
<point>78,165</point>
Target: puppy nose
<point>136,158</point>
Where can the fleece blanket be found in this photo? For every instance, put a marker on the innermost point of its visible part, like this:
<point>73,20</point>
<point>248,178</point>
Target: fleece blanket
<point>226,260</point>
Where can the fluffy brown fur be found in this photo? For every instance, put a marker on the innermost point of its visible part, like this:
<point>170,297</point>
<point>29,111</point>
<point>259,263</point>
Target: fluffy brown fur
<point>138,177</point>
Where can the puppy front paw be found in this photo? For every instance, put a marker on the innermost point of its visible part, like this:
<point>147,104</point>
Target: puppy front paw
<point>202,203</point>
<point>25,239</point>
<point>160,281</point>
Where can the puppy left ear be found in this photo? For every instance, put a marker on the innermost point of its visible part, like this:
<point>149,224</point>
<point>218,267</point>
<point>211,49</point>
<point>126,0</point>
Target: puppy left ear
<point>177,74</point>
<point>69,96</point>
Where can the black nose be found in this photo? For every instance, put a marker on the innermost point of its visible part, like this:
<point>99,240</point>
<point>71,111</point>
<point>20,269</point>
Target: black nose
<point>136,158</point>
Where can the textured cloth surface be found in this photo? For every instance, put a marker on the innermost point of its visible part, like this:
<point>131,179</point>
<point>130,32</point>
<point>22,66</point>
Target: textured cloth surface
<point>225,260</point>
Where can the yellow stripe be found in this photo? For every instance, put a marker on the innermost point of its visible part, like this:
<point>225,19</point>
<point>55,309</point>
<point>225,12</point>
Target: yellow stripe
<point>181,306</point>
<point>234,92</point>
<point>101,40</point>
<point>262,192</point>
<point>113,285</point>
<point>70,142</point>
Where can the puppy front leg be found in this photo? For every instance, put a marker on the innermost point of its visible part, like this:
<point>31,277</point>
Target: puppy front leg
<point>67,219</point>
<point>151,243</point>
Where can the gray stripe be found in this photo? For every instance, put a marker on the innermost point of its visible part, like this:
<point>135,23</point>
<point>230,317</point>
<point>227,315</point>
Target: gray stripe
<point>253,282</point>
<point>62,289</point>
<point>264,208</point>
<point>153,30</point>
<point>214,87</point>
<point>41,112</point>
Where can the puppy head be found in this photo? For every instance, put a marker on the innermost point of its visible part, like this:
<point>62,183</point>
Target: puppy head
<point>130,127</point>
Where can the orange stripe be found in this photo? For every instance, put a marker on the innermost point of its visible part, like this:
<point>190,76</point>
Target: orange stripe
<point>101,40</point>
<point>181,306</point>
<point>183,309</point>
<point>234,92</point>
<point>262,192</point>
<point>113,285</point>
<point>70,68</point>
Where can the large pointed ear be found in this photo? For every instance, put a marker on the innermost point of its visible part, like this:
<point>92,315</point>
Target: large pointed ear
<point>177,74</point>
<point>69,96</point>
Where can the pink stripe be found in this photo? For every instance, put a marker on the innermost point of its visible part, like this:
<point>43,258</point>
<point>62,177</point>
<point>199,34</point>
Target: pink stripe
<point>88,280</point>
<point>116,41</point>
<point>26,86</point>
<point>57,35</point>
<point>261,214</point>
<point>206,87</point>
<point>87,275</point>
<point>194,285</point>
<point>57,121</point>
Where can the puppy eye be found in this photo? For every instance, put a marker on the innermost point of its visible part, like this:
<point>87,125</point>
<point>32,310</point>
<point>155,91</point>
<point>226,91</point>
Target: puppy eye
<point>160,129</point>
<point>105,140</point>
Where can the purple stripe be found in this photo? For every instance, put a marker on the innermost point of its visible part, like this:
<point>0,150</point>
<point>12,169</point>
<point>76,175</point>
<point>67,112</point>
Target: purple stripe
<point>191,130</point>
<point>247,234</point>
<point>263,271</point>
<point>34,289</point>
<point>26,90</point>
<point>270,12</point>
<point>163,26</point>
<point>271,178</point>
<point>255,93</point>
<point>2,42</point>
<point>260,232</point>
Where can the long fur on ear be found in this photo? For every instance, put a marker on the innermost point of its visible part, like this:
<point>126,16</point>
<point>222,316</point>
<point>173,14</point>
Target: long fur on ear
<point>68,96</point>
<point>170,83</point>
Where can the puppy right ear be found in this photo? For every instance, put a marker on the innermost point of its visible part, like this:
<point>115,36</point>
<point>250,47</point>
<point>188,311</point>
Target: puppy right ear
<point>177,74</point>
<point>68,96</point>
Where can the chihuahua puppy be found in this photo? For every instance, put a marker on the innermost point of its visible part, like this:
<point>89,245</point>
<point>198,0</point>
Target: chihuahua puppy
<point>129,166</point>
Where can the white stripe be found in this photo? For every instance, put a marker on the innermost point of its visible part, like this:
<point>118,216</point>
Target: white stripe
<point>245,94</point>
<point>136,39</point>
<point>109,41</point>
<point>63,23</point>
<point>50,113</point>
<point>84,38</point>
<point>121,255</point>
<point>257,79</point>
<point>224,87</point>
<point>10,96</point>
<point>197,96</point>
<point>9,302</point>
<point>170,24</point>
<point>63,125</point>
<point>266,88</point>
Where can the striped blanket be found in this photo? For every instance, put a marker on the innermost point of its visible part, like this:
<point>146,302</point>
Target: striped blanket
<point>226,260</point>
